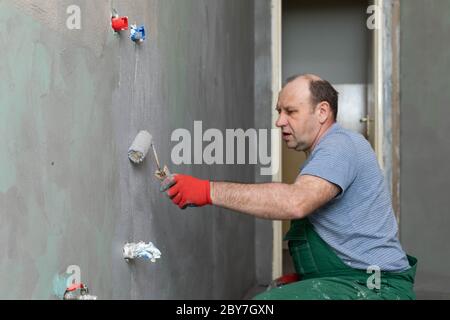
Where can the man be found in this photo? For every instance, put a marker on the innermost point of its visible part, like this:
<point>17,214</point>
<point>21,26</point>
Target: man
<point>342,218</point>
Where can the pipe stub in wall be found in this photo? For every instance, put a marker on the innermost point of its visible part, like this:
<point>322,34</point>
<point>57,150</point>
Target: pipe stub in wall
<point>137,34</point>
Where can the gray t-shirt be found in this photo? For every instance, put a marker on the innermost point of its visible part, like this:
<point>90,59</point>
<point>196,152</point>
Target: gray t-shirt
<point>359,224</point>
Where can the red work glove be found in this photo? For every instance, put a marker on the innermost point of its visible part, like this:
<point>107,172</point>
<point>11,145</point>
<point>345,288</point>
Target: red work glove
<point>187,191</point>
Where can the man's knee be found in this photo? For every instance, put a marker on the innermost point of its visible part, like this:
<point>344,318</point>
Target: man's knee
<point>319,289</point>
<point>312,289</point>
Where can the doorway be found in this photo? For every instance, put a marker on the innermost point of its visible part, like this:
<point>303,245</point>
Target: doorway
<point>331,39</point>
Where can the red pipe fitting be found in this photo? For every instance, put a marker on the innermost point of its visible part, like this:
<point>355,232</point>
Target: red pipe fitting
<point>119,23</point>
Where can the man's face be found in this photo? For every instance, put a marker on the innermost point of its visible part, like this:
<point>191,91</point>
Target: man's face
<point>298,119</point>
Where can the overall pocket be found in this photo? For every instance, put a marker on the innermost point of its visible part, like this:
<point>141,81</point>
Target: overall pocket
<point>302,257</point>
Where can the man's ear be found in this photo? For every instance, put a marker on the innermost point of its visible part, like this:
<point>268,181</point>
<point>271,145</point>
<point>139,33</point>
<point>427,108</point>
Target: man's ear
<point>324,110</point>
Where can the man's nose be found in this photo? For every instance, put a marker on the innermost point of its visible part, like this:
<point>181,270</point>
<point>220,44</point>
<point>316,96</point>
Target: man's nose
<point>281,121</point>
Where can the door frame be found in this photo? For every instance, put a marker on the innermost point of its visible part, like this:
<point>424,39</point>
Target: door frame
<point>386,86</point>
<point>276,146</point>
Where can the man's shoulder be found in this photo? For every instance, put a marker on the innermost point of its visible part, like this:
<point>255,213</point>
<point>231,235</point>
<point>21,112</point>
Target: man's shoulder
<point>339,137</point>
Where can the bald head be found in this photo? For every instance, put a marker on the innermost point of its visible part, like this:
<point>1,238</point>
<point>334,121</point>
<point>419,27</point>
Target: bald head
<point>306,76</point>
<point>320,90</point>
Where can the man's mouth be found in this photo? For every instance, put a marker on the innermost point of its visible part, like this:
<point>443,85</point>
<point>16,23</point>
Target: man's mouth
<point>286,136</point>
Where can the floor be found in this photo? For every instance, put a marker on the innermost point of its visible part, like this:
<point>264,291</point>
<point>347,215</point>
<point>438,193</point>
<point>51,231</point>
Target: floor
<point>427,295</point>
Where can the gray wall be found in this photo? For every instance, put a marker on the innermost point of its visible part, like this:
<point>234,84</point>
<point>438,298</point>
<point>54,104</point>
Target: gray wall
<point>425,151</point>
<point>71,102</point>
<point>326,37</point>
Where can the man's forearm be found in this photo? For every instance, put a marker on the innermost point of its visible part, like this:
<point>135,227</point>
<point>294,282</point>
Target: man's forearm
<point>266,201</point>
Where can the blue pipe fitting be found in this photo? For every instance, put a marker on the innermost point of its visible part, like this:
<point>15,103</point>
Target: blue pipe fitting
<point>137,34</point>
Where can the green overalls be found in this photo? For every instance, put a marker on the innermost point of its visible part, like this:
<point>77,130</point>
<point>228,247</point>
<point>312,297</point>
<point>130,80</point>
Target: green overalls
<point>324,276</point>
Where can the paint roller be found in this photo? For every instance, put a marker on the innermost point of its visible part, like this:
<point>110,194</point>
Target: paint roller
<point>140,146</point>
<point>139,149</point>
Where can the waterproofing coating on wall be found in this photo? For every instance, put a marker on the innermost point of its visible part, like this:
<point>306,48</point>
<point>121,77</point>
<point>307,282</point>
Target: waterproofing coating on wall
<point>424,147</point>
<point>72,101</point>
